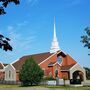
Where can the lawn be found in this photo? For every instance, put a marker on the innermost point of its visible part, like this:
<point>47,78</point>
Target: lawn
<point>68,88</point>
<point>43,87</point>
<point>9,86</point>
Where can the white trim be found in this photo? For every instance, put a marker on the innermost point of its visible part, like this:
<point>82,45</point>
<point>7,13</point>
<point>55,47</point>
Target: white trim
<point>47,58</point>
<point>75,65</point>
<point>75,68</point>
<point>55,63</point>
<point>2,64</point>
<point>2,70</point>
<point>11,69</point>
<point>11,66</point>
<point>15,61</point>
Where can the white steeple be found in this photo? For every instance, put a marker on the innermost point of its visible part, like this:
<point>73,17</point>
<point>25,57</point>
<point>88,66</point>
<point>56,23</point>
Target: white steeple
<point>55,46</point>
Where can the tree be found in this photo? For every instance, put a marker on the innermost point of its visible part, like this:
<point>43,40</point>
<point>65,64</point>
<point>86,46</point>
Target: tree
<point>30,73</point>
<point>4,4</point>
<point>85,39</point>
<point>4,43</point>
<point>87,72</point>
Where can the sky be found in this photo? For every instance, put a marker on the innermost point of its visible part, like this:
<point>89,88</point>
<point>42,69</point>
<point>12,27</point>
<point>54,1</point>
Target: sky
<point>30,27</point>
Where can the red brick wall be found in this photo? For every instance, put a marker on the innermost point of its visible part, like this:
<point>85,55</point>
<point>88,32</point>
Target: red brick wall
<point>44,65</point>
<point>2,75</point>
<point>17,76</point>
<point>65,75</point>
<point>70,60</point>
<point>64,61</point>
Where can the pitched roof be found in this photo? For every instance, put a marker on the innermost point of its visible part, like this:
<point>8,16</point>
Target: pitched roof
<point>37,57</point>
<point>66,68</point>
<point>1,66</point>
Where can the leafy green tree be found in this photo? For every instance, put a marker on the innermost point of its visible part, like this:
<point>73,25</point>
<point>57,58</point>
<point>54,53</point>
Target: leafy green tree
<point>4,43</point>
<point>87,72</point>
<point>30,73</point>
<point>85,39</point>
<point>4,4</point>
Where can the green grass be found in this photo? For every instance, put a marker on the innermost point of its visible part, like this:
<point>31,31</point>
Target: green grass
<point>9,86</point>
<point>63,87</point>
<point>69,88</point>
<point>49,87</point>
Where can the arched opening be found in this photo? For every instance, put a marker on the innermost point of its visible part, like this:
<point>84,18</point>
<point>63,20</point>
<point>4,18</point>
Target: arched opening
<point>78,75</point>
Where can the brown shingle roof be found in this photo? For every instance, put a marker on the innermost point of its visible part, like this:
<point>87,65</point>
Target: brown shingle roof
<point>65,68</point>
<point>37,57</point>
<point>1,66</point>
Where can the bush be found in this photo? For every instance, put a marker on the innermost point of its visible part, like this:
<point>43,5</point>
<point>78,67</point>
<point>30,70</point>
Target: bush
<point>87,72</point>
<point>49,78</point>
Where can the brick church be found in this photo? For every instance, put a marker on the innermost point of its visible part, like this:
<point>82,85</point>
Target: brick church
<point>54,63</point>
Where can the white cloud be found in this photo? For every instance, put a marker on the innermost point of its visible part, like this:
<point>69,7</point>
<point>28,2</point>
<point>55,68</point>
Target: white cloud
<point>32,2</point>
<point>20,41</point>
<point>22,24</point>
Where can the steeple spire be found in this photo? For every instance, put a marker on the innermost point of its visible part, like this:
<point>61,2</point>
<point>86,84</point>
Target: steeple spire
<point>54,36</point>
<point>54,28</point>
<point>55,46</point>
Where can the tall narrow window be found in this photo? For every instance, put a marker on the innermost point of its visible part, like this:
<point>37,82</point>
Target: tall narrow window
<point>12,75</point>
<point>9,74</point>
<point>6,75</point>
<point>56,73</point>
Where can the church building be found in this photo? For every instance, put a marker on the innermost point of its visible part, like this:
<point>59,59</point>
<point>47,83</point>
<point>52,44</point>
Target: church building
<point>55,63</point>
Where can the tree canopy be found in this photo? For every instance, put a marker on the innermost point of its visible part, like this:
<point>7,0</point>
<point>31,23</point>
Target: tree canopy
<point>4,4</point>
<point>85,39</point>
<point>4,43</point>
<point>87,72</point>
<point>30,73</point>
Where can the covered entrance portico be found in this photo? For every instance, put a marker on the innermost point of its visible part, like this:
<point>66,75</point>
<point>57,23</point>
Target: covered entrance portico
<point>77,72</point>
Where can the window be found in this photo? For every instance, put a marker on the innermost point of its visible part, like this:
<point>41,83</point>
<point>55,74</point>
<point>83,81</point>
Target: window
<point>9,74</point>
<point>59,60</point>
<point>56,73</point>
<point>6,75</point>
<point>12,75</point>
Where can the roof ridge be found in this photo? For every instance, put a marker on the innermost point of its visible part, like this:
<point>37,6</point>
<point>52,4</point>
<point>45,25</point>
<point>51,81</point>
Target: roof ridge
<point>27,56</point>
<point>36,54</point>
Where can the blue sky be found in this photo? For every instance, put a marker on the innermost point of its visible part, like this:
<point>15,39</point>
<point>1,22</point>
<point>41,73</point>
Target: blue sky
<point>30,27</point>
